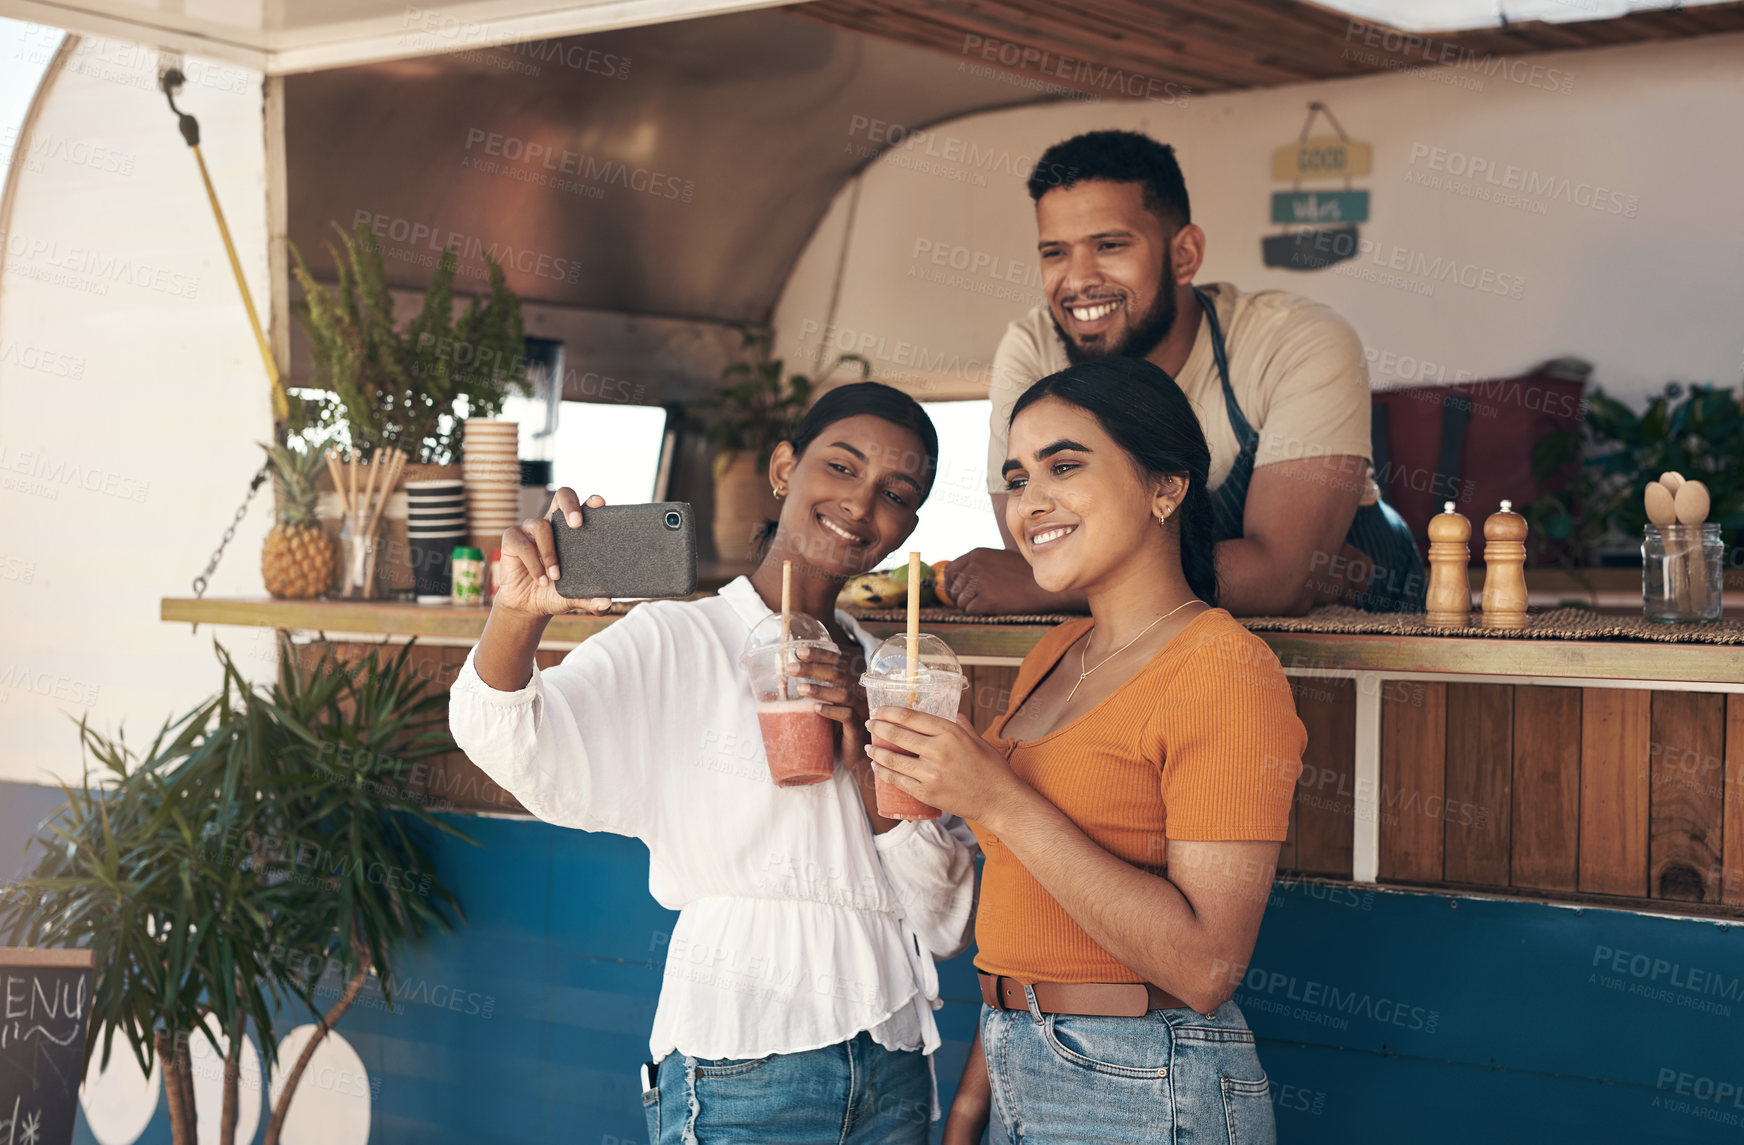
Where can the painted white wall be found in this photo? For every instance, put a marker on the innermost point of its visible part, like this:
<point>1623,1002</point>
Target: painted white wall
<point>1651,293</point>
<point>131,396</point>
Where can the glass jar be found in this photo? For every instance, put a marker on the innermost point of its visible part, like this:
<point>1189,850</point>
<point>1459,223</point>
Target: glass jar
<point>358,549</point>
<point>1681,572</point>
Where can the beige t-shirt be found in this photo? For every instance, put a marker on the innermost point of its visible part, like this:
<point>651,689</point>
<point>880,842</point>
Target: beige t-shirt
<point>1297,369</point>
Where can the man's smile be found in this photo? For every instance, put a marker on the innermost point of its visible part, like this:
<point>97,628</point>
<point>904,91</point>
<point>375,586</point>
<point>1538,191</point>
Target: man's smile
<point>1093,315</point>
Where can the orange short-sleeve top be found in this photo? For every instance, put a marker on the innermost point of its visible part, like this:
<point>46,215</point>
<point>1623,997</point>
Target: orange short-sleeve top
<point>1202,744</point>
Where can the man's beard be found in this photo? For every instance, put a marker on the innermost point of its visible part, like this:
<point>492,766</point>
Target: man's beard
<point>1143,336</point>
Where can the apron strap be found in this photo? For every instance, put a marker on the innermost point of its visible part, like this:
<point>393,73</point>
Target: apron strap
<point>1245,434</point>
<point>1377,531</point>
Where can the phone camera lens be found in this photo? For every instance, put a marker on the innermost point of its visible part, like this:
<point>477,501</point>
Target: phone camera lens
<point>673,520</point>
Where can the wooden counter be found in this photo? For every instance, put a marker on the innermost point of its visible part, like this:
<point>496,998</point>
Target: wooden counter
<point>1605,772</point>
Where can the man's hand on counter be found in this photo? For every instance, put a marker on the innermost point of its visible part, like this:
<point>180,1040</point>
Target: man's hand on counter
<point>998,582</point>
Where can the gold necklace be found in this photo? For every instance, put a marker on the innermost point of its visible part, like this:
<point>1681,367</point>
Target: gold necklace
<point>1084,652</point>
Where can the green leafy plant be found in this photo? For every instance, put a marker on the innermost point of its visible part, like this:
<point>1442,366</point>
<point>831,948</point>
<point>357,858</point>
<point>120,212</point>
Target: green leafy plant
<point>406,389</point>
<point>214,876</point>
<point>1698,432</point>
<point>757,404</point>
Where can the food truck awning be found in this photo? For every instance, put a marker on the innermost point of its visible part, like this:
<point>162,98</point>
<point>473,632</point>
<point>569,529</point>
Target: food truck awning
<point>675,170</point>
<point>283,36</point>
<point>1133,48</point>
<point>1242,43</point>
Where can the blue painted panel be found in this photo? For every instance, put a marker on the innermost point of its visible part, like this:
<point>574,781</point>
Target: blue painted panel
<point>1423,1017</point>
<point>1383,1016</point>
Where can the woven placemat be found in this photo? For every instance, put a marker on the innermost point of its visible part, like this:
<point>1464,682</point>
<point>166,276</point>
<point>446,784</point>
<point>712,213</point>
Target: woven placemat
<point>1548,624</point>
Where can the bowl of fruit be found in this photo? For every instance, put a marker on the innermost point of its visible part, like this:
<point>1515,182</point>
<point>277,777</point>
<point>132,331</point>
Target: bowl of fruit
<point>888,589</point>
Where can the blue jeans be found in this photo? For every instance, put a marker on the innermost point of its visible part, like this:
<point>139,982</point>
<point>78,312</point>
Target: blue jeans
<point>1173,1076</point>
<point>852,1093</point>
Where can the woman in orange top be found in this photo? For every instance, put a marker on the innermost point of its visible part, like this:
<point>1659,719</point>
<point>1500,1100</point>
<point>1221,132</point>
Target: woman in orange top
<point>1131,800</point>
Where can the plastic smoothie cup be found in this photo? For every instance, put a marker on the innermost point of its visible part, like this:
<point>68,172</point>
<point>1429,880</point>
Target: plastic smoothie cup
<point>937,689</point>
<point>800,744</point>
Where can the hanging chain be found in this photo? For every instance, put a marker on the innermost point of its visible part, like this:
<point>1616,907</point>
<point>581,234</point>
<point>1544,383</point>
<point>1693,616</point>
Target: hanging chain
<point>230,533</point>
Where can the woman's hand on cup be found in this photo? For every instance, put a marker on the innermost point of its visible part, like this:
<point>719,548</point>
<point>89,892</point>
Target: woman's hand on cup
<point>529,569</point>
<point>839,696</point>
<point>943,762</point>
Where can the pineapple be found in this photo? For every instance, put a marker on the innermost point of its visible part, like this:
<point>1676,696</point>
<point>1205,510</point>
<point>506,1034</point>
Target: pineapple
<point>298,559</point>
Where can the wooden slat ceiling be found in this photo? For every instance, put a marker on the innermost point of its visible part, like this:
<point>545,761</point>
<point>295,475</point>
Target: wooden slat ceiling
<point>1097,46</point>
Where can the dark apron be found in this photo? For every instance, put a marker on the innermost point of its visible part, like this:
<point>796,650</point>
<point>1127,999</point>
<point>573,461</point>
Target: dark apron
<point>1398,582</point>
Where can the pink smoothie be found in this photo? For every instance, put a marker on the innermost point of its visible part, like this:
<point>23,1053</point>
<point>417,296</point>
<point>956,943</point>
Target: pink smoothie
<point>894,803</point>
<point>800,743</point>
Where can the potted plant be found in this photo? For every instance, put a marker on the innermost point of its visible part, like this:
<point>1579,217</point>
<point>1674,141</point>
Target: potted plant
<point>241,849</point>
<point>755,408</point>
<point>1599,514</point>
<point>379,386</point>
<point>410,389</point>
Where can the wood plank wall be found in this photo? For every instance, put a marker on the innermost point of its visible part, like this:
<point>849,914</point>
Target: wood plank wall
<point>1632,794</point>
<point>1627,794</point>
<point>454,783</point>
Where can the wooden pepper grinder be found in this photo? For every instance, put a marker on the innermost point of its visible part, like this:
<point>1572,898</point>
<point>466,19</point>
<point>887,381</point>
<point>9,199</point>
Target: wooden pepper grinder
<point>1504,597</point>
<point>1449,597</point>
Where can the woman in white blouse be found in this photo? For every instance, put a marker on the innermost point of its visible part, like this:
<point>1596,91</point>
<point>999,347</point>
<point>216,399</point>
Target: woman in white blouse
<point>799,988</point>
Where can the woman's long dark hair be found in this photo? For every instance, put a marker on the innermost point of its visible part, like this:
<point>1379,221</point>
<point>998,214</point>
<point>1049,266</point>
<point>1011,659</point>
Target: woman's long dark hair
<point>1148,416</point>
<point>843,402</point>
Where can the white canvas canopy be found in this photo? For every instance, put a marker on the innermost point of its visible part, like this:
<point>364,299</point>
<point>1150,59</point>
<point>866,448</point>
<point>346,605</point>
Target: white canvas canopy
<point>279,37</point>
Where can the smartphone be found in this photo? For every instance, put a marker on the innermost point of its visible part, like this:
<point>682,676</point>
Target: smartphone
<point>627,551</point>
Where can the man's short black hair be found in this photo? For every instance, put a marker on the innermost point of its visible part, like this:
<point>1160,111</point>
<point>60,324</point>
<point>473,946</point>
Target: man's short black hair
<point>1118,157</point>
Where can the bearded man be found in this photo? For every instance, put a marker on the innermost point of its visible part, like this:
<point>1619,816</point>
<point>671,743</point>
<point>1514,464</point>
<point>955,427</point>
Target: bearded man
<point>1279,383</point>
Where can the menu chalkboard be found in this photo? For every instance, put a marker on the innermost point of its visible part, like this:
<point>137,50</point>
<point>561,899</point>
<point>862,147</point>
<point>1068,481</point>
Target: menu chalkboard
<point>45,1012</point>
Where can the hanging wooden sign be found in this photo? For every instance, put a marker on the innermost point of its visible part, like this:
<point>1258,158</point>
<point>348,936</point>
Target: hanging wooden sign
<point>1324,157</point>
<point>1320,206</point>
<point>1313,249</point>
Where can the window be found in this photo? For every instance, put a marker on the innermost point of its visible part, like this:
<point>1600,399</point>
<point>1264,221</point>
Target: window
<point>612,450</point>
<point>957,515</point>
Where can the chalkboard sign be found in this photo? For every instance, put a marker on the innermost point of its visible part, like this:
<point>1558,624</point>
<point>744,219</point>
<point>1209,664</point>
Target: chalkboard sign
<point>45,1012</point>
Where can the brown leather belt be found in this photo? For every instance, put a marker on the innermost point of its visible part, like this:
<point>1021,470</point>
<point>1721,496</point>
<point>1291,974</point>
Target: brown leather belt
<point>1095,999</point>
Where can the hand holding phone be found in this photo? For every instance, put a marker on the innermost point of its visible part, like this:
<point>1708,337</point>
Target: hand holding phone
<point>530,570</point>
<point>627,551</point>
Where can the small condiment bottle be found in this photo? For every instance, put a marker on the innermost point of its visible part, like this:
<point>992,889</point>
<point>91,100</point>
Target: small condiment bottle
<point>1504,597</point>
<point>468,575</point>
<point>1448,603</point>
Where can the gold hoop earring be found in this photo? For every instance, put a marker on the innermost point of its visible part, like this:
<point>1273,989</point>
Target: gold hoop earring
<point>779,493</point>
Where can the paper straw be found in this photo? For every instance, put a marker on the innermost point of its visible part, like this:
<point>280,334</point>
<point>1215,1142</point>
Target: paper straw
<point>338,481</point>
<point>396,463</point>
<point>372,471</point>
<point>786,618</point>
<point>913,628</point>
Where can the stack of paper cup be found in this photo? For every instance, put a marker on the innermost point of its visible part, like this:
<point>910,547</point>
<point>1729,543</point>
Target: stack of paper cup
<point>492,470</point>
<point>435,523</point>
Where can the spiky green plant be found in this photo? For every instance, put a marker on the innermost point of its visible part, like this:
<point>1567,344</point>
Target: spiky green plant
<point>209,874</point>
<point>406,389</point>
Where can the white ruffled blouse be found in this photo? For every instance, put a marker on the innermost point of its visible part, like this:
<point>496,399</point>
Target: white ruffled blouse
<point>798,928</point>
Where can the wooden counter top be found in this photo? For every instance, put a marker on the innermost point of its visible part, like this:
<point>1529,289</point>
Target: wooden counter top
<point>1586,770</point>
<point>1300,653</point>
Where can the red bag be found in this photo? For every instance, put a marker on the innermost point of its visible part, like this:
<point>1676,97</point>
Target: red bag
<point>1472,443</point>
